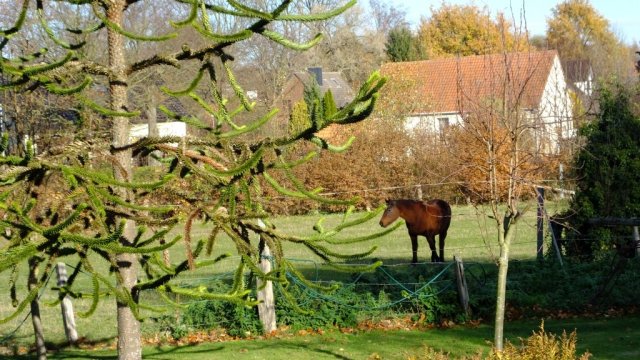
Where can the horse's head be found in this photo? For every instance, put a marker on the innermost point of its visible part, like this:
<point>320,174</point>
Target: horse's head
<point>391,213</point>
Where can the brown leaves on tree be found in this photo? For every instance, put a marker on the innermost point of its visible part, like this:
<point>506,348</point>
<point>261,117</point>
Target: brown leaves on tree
<point>463,30</point>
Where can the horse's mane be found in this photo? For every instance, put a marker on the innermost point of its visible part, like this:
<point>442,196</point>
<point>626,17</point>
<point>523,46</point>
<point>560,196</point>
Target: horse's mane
<point>410,202</point>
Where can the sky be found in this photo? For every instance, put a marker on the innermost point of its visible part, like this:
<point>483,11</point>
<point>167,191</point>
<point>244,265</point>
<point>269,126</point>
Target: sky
<point>622,15</point>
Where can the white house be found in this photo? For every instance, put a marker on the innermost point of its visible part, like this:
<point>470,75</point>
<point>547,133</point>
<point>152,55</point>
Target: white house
<point>436,94</point>
<point>171,128</point>
<point>579,74</point>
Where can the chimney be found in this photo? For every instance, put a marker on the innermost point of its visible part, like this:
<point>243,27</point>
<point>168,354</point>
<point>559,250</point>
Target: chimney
<point>317,72</point>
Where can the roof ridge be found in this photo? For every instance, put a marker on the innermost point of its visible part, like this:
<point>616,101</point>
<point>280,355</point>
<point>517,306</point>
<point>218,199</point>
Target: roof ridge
<point>471,57</point>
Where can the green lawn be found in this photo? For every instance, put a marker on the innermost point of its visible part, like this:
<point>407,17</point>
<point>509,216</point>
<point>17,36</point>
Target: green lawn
<point>608,338</point>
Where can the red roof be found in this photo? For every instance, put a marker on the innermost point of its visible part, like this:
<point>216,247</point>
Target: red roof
<point>450,84</point>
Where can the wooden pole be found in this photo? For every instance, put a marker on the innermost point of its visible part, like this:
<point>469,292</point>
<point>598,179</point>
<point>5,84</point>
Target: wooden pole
<point>636,239</point>
<point>36,320</point>
<point>561,176</point>
<point>461,282</point>
<point>554,240</point>
<point>68,319</point>
<point>555,231</point>
<point>540,222</point>
<point>266,307</point>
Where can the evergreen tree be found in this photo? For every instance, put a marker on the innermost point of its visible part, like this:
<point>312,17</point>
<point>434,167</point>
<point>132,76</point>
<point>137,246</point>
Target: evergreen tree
<point>65,206</point>
<point>299,118</point>
<point>607,171</point>
<point>403,46</point>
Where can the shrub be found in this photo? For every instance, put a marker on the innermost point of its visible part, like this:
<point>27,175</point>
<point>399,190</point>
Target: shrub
<point>370,295</point>
<point>542,346</point>
<point>432,304</point>
<point>238,320</point>
<point>540,288</point>
<point>539,346</point>
<point>318,312</point>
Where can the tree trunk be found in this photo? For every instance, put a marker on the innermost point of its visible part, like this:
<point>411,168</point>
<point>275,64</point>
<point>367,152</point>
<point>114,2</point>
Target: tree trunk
<point>129,345</point>
<point>506,235</point>
<point>38,330</point>
<point>266,307</point>
<point>501,299</point>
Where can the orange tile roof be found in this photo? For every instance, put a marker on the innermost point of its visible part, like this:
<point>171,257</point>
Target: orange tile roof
<point>449,84</point>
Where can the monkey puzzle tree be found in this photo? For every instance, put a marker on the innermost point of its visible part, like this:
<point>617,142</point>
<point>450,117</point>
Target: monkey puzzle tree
<point>82,203</point>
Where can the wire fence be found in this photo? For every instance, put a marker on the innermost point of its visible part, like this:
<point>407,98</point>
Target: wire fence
<point>537,184</point>
<point>427,279</point>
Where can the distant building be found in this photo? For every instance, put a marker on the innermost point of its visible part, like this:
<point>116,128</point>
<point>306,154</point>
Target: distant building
<point>436,94</point>
<point>172,128</point>
<point>293,92</point>
<point>580,80</point>
<point>579,74</point>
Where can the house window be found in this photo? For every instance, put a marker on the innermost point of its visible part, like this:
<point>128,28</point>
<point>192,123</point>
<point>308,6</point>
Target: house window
<point>443,127</point>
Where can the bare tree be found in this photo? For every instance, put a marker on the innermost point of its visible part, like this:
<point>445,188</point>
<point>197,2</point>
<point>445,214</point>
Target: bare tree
<point>502,143</point>
<point>386,17</point>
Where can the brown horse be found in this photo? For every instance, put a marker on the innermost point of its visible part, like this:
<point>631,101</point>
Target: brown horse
<point>426,218</point>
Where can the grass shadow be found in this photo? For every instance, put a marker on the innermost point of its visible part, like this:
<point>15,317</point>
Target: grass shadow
<point>16,349</point>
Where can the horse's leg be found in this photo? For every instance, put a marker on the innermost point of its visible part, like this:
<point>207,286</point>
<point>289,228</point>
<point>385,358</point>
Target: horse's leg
<point>443,235</point>
<point>431,239</point>
<point>414,247</point>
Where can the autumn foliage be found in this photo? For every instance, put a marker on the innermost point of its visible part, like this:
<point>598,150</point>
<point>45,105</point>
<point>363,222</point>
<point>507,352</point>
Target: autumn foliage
<point>483,141</point>
<point>384,161</point>
<point>463,30</point>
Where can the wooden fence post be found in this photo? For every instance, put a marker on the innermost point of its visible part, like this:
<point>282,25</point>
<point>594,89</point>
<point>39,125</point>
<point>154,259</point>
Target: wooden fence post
<point>561,177</point>
<point>540,223</point>
<point>636,239</point>
<point>556,234</point>
<point>461,282</point>
<point>36,319</point>
<point>68,319</point>
<point>266,307</point>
